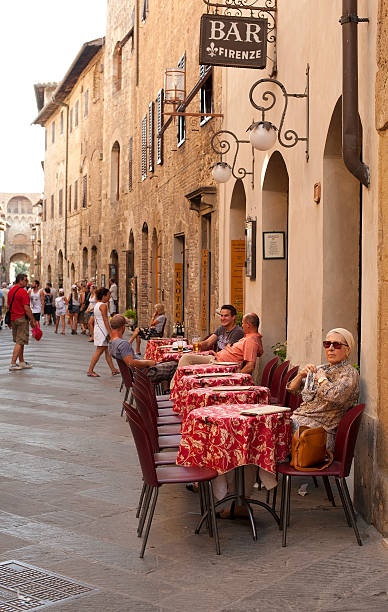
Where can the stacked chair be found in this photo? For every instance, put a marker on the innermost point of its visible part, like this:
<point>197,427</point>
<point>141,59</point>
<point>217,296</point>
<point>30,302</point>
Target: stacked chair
<point>155,429</point>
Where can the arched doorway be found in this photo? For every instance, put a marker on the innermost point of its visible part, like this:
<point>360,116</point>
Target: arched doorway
<point>93,265</point>
<point>72,274</point>
<point>155,269</point>
<point>19,264</point>
<point>275,270</point>
<point>114,266</point>
<point>341,235</point>
<point>85,263</point>
<point>131,288</point>
<point>144,284</point>
<point>49,274</point>
<point>237,245</point>
<point>60,269</point>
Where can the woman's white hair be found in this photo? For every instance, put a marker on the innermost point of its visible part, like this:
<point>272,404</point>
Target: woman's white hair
<point>346,334</point>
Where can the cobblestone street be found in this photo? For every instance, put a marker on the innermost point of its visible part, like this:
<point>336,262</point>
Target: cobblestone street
<point>70,482</point>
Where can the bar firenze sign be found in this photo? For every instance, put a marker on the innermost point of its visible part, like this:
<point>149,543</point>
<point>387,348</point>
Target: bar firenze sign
<point>233,41</point>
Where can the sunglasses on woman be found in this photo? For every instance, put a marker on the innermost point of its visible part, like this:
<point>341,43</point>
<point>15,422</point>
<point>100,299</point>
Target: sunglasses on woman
<point>336,345</point>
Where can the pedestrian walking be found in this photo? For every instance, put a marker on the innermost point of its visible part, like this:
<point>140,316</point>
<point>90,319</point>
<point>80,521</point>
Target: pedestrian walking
<point>54,295</point>
<point>60,310</point>
<point>84,303</point>
<point>73,308</point>
<point>36,300</point>
<point>102,332</point>
<point>48,305</point>
<point>114,297</point>
<point>90,312</point>
<point>19,307</point>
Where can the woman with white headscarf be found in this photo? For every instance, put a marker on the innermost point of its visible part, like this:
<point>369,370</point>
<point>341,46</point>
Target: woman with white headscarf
<point>329,390</point>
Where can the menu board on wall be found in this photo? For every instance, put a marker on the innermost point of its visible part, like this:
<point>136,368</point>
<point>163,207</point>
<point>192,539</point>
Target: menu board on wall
<point>178,293</point>
<point>237,274</point>
<point>204,288</point>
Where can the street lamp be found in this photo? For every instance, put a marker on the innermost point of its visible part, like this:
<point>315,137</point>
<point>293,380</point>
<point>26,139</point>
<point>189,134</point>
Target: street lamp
<point>221,172</point>
<point>263,135</point>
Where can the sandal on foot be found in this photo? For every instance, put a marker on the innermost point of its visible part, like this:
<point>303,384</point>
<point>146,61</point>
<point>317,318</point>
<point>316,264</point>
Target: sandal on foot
<point>115,372</point>
<point>93,374</point>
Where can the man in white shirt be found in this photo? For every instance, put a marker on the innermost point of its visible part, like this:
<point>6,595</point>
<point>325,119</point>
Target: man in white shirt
<point>114,298</point>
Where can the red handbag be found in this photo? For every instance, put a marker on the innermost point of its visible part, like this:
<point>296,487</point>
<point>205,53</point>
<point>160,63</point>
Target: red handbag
<point>37,332</point>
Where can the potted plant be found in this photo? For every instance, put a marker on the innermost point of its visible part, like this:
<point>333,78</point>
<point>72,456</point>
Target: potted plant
<point>131,316</point>
<point>280,350</point>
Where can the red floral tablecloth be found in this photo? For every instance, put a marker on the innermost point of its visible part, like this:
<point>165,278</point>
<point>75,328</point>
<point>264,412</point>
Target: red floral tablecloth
<point>195,382</point>
<point>220,438</point>
<point>202,368</point>
<point>153,345</point>
<point>199,398</point>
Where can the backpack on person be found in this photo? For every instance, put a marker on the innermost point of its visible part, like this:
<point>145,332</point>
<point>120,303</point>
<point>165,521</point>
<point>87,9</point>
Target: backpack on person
<point>7,318</point>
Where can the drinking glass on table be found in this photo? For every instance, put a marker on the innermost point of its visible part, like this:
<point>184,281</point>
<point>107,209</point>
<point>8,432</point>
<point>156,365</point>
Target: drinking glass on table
<point>179,344</point>
<point>196,340</point>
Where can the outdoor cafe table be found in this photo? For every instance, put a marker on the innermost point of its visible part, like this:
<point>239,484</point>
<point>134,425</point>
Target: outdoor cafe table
<point>153,347</point>
<point>209,396</point>
<point>221,438</point>
<point>199,368</point>
<point>216,379</point>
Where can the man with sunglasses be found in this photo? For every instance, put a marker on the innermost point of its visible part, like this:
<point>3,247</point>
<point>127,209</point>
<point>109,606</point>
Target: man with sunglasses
<point>327,391</point>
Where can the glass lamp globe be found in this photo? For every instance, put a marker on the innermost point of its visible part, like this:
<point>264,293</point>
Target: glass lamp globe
<point>262,136</point>
<point>221,172</point>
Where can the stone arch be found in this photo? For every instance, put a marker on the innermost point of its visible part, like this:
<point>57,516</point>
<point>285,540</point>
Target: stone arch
<point>19,204</point>
<point>341,203</point>
<point>275,271</point>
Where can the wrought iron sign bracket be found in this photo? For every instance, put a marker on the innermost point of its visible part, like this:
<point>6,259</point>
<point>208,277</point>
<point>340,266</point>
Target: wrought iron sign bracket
<point>221,145</point>
<point>289,138</point>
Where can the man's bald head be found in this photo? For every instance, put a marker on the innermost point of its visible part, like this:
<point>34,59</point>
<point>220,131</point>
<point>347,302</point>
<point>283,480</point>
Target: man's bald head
<point>252,320</point>
<point>117,321</point>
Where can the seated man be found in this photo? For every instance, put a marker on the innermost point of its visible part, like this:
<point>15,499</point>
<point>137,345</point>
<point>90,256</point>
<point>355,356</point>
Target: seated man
<point>227,333</point>
<point>121,349</point>
<point>244,351</point>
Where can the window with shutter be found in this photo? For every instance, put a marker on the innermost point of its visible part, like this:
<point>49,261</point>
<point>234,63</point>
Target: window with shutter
<point>76,114</point>
<point>130,164</point>
<point>86,103</point>
<point>60,202</point>
<point>69,200</point>
<point>206,94</point>
<point>159,144</point>
<point>84,190</point>
<point>144,148</point>
<point>61,123</point>
<point>52,207</point>
<point>151,137</point>
<point>75,195</point>
<point>181,135</point>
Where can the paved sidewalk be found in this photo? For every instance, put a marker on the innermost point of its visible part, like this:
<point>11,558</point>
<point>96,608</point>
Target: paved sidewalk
<point>70,482</point>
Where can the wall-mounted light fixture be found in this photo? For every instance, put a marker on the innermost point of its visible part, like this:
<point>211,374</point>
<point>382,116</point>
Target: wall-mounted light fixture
<point>221,143</point>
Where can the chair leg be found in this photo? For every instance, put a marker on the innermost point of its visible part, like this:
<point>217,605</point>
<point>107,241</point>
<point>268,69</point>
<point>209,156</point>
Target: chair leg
<point>274,496</point>
<point>151,516</point>
<point>268,497</point>
<point>282,502</point>
<point>351,511</point>
<point>141,500</point>
<point>341,494</point>
<point>329,492</point>
<point>143,515</point>
<point>315,481</point>
<point>213,518</point>
<point>288,500</point>
<point>201,497</point>
<point>286,508</point>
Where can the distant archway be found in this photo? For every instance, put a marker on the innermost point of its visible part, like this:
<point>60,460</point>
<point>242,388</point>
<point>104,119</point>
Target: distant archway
<point>275,271</point>
<point>20,205</point>
<point>19,264</point>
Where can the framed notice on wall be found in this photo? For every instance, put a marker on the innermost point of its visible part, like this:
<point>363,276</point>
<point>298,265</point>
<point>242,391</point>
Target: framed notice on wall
<point>274,245</point>
<point>250,248</point>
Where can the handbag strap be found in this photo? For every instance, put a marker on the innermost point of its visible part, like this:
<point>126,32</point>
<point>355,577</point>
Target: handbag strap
<point>13,297</point>
<point>330,459</point>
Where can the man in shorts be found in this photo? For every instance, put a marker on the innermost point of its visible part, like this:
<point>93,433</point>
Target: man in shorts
<point>121,349</point>
<point>20,315</point>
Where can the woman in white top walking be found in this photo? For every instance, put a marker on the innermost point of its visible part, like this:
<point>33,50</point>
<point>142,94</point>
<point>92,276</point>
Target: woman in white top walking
<point>60,306</point>
<point>73,308</point>
<point>102,331</point>
<point>36,300</point>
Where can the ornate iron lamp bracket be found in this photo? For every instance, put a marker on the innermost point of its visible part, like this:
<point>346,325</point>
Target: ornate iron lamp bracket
<point>289,138</point>
<point>221,145</point>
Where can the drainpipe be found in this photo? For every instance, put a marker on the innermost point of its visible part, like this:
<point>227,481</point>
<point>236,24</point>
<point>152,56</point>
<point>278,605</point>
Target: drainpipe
<point>350,118</point>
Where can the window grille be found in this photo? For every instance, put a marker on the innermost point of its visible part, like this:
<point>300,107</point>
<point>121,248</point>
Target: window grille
<point>130,164</point>
<point>159,144</point>
<point>84,190</point>
<point>144,148</point>
<point>151,137</point>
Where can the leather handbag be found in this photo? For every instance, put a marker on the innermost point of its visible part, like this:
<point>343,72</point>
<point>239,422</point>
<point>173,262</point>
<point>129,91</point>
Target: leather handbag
<point>309,449</point>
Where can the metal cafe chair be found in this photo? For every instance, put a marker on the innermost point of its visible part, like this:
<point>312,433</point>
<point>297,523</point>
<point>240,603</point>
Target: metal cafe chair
<point>154,477</point>
<point>345,442</point>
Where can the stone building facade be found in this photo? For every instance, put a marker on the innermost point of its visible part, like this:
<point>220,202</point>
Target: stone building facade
<point>20,217</point>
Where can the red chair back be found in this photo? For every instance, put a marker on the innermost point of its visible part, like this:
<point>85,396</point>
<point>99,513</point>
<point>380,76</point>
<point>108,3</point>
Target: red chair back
<point>126,373</point>
<point>286,379</point>
<point>268,372</point>
<point>143,446</point>
<point>146,412</point>
<point>346,438</point>
<point>277,378</point>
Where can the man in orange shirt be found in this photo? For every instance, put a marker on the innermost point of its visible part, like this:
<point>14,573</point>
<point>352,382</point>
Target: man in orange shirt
<point>244,351</point>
